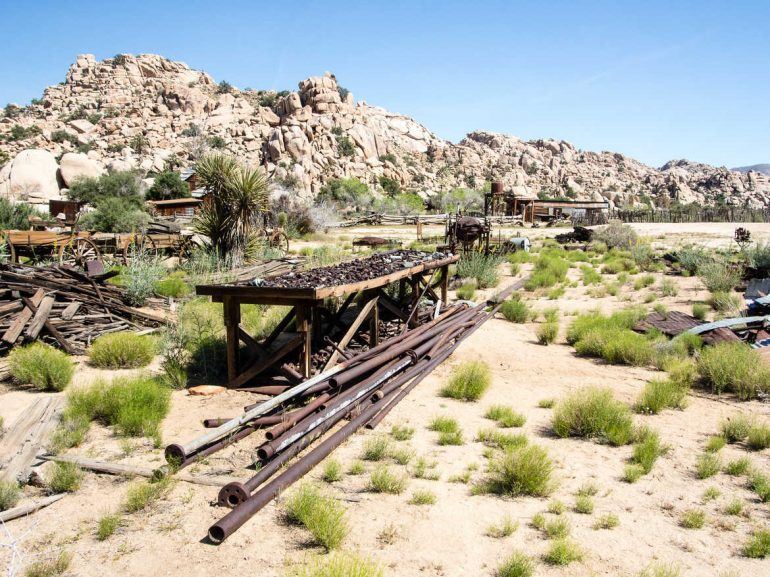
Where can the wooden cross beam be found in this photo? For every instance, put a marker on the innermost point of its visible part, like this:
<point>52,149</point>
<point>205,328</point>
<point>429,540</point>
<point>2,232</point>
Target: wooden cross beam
<point>352,329</point>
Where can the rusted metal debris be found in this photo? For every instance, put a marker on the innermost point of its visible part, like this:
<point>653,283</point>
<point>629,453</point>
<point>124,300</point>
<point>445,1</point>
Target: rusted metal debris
<point>358,270</point>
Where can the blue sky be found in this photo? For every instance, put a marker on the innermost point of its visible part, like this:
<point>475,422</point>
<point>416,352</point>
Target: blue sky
<point>655,80</point>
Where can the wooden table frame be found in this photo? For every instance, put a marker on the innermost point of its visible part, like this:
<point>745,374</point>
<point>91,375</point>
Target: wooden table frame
<point>308,315</point>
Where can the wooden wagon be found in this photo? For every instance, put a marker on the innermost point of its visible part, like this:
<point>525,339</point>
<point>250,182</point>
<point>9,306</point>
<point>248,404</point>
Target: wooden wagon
<point>69,247</point>
<point>125,245</point>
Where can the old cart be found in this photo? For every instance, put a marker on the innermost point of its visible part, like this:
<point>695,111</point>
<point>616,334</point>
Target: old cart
<point>124,245</point>
<point>67,247</point>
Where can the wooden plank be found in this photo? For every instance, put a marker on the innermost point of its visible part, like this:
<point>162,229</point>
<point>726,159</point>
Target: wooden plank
<point>65,344</point>
<point>29,435</point>
<point>21,320</point>
<point>71,310</point>
<point>10,307</point>
<point>304,313</point>
<point>387,302</point>
<point>268,360</point>
<point>346,338</point>
<point>232,310</point>
<point>123,470</point>
<point>279,328</point>
<point>29,508</point>
<point>41,316</point>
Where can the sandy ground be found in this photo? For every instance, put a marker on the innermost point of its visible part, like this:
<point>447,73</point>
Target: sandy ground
<point>447,538</point>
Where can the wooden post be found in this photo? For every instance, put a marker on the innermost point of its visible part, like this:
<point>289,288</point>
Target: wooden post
<point>374,321</point>
<point>444,283</point>
<point>232,309</point>
<point>304,314</point>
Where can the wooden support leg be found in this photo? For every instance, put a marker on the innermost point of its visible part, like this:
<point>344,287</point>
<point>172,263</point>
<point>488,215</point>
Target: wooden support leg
<point>374,321</point>
<point>444,283</point>
<point>232,309</point>
<point>304,321</point>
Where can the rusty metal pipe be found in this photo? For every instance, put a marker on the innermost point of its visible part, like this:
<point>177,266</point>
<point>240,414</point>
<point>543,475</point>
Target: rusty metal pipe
<point>295,416</point>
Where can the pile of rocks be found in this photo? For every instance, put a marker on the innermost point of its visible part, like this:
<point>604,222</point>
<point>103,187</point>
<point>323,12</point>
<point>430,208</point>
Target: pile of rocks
<point>143,111</point>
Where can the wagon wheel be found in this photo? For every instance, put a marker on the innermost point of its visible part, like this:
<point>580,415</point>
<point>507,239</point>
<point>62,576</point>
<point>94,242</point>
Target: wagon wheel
<point>184,248</point>
<point>10,250</point>
<point>78,252</point>
<point>142,244</point>
<point>280,240</point>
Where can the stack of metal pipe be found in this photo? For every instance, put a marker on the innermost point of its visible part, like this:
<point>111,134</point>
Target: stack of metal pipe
<point>363,389</point>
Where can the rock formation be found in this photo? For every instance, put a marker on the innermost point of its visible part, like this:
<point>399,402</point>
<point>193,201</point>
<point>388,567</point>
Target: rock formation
<point>146,112</point>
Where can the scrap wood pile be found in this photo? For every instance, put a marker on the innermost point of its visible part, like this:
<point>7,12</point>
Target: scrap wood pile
<point>362,388</point>
<point>62,306</point>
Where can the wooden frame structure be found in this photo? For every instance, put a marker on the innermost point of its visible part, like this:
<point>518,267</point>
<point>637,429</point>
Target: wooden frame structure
<point>312,322</point>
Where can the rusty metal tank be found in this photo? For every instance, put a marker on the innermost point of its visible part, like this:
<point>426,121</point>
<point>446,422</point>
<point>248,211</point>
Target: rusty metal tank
<point>469,229</point>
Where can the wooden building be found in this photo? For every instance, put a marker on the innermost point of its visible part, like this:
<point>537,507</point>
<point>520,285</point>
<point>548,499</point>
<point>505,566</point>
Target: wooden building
<point>175,207</point>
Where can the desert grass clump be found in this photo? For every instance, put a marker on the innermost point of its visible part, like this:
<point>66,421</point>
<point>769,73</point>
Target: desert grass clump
<point>505,528</point>
<point>758,437</point>
<point>423,497</point>
<point>758,545</point>
<point>693,519</point>
<point>593,412</point>
<point>10,493</point>
<point>734,507</point>
<point>734,367</point>
<point>584,505</point>
<point>715,443</point>
<point>383,480</point>
<point>443,424</point>
<point>668,288</point>
<point>738,467</point>
<point>607,521</point>
<point>41,366</point>
<point>124,350</point>
<point>107,526</point>
<point>505,416</point>
<point>736,428</point>
<point>587,489</point>
<point>469,381</point>
<point>424,469</point>
<point>587,322</point>
<point>65,478</point>
<point>49,567</point>
<point>760,484</point>
<point>515,311</point>
<point>699,311</point>
<point>401,455</point>
<point>725,302</point>
<point>659,394</point>
<point>563,552</point>
<point>500,440</point>
<point>453,438</point>
<point>711,494</point>
<point>376,448</point>
<point>401,432</point>
<point>516,565</point>
<point>647,449</point>
<point>633,472</point>
<point>557,528</point>
<point>708,465</point>
<point>718,276</point>
<point>332,471</point>
<point>142,494</point>
<point>546,403</point>
<point>467,290</point>
<point>556,507</point>
<point>519,471</point>
<point>643,281</point>
<point>322,515</point>
<point>339,564</point>
<point>661,570</point>
<point>134,406</point>
<point>482,268</point>
<point>550,268</point>
<point>547,332</point>
<point>590,275</point>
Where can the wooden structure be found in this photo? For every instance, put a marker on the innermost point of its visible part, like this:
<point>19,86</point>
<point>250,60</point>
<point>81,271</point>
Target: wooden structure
<point>312,322</point>
<point>175,207</point>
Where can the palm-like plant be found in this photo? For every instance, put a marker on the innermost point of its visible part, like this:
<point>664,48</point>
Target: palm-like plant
<point>237,197</point>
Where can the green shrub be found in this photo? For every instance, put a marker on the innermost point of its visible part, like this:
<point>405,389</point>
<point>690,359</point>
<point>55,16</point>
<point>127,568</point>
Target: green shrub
<point>442,424</point>
<point>758,437</point>
<point>49,567</point>
<point>725,302</point>
<point>383,480</point>
<point>681,371</point>
<point>734,507</point>
<point>322,515</point>
<point>546,403</point>
<point>15,215</point>
<point>168,185</point>
<point>505,416</point>
<point>450,438</point>
<point>65,478</point>
<point>516,565</point>
<point>142,494</point>
<point>736,428</point>
<point>172,286</point>
<point>556,507</point>
<point>515,311</point>
<point>738,467</point>
<point>643,281</point>
<point>693,519</point>
<point>734,367</point>
<point>340,565</point>
<point>134,406</point>
<point>467,290</point>
<point>376,448</point>
<point>616,235</point>
<point>10,493</point>
<point>760,484</point>
<point>594,413</point>
<point>469,381</point>
<point>547,332</point>
<point>549,269</point>
<point>668,288</point>
<point>504,528</point>
<point>557,528</point>
<point>617,346</point>
<point>356,468</point>
<point>708,465</point>
<point>606,521</point>
<point>401,432</point>
<point>660,394</point>
<point>647,449</point>
<point>633,472</point>
<point>718,277</point>
<point>590,276</point>
<point>663,570</point>
<point>402,455</point>
<point>41,366</point>
<point>124,350</point>
<point>699,311</point>
<point>584,505</point>
<point>563,552</point>
<point>500,440</point>
<point>141,277</point>
<point>588,322</point>
<point>332,471</point>
<point>519,471</point>
<point>715,443</point>
<point>477,266</point>
<point>758,546</point>
<point>107,526</point>
<point>423,497</point>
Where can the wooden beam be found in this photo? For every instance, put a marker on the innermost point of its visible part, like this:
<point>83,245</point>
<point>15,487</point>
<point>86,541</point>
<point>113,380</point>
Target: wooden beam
<point>29,508</point>
<point>267,361</point>
<point>17,326</point>
<point>352,330</point>
<point>232,310</point>
<point>304,328</point>
<point>41,316</point>
<point>444,283</point>
<point>387,302</point>
<point>279,328</point>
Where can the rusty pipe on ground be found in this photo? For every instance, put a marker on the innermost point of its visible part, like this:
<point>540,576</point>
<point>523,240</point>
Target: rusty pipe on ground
<point>296,416</point>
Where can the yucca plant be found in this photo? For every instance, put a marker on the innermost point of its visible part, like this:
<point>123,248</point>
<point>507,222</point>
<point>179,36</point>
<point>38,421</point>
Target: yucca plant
<point>237,197</point>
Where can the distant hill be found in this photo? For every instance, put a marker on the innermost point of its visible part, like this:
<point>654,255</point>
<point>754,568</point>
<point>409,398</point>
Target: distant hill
<point>763,168</point>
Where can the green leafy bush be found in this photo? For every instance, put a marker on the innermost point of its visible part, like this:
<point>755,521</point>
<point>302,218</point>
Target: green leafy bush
<point>346,193</point>
<point>41,366</point>
<point>524,470</point>
<point>469,381</point>
<point>65,478</point>
<point>10,493</point>
<point>124,350</point>
<point>516,311</point>
<point>478,266</point>
<point>718,276</point>
<point>320,514</point>
<point>593,412</point>
<point>735,368</point>
<point>168,185</point>
<point>659,394</point>
<point>16,215</point>
<point>616,235</point>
